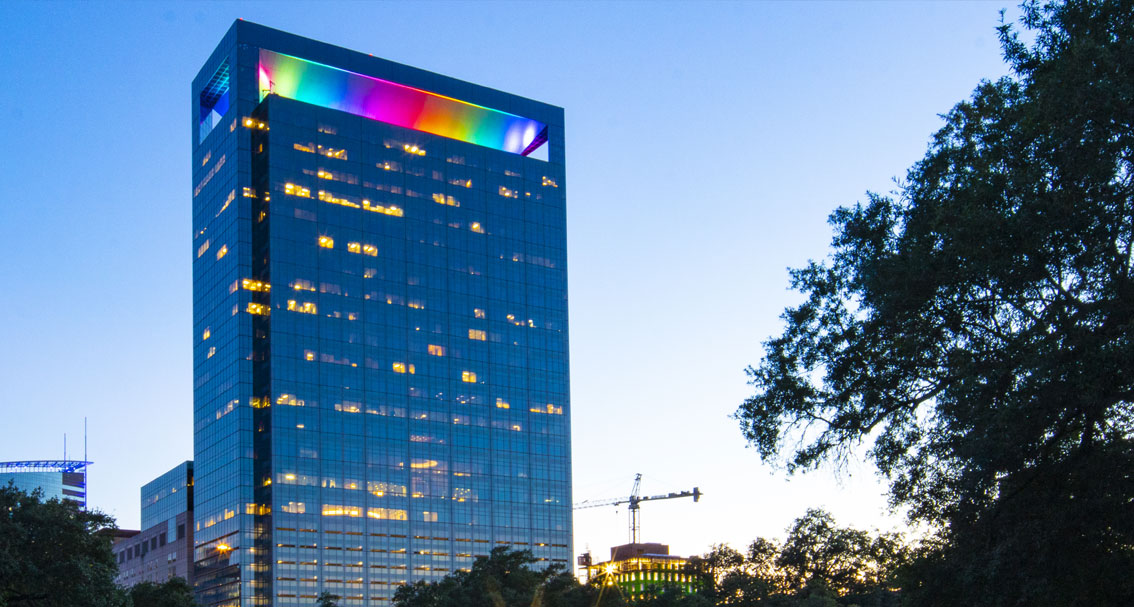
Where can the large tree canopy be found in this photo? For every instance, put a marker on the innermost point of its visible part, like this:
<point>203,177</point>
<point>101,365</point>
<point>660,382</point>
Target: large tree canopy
<point>53,554</point>
<point>976,329</point>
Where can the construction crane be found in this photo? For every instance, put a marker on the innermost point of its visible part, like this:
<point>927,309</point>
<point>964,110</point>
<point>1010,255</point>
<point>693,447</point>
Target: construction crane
<point>635,500</point>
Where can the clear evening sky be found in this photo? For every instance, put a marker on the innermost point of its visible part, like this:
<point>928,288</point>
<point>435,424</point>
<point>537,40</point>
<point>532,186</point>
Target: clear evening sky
<point>706,145</point>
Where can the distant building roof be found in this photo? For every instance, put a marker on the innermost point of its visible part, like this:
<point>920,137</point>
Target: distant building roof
<point>44,465</point>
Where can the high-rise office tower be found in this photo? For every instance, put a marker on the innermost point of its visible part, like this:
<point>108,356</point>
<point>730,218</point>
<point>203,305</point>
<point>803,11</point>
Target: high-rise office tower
<point>380,324</point>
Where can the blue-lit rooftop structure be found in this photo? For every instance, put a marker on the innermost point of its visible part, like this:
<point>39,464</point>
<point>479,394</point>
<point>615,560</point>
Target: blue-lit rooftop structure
<point>58,479</point>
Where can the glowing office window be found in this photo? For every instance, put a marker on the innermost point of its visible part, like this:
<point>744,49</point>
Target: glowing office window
<point>222,252</point>
<point>255,285</point>
<point>201,249</point>
<point>436,350</point>
<point>393,514</point>
<point>479,313</point>
<point>502,404</point>
<point>369,249</point>
<point>206,334</point>
<point>354,247</point>
<point>305,307</point>
<point>257,309</point>
<point>476,227</point>
<point>333,510</point>
<point>468,377</point>
<point>399,367</point>
<point>295,190</point>
<point>302,285</point>
<point>326,242</point>
<point>477,334</point>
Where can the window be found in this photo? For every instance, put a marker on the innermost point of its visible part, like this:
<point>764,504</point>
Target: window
<point>468,377</point>
<point>477,334</point>
<point>436,350</point>
<point>326,242</point>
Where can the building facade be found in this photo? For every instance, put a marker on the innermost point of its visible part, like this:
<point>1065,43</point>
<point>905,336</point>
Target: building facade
<point>164,547</point>
<point>58,479</point>
<point>639,570</point>
<point>380,323</point>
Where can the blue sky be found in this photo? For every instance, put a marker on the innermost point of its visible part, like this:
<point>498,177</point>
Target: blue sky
<point>706,145</point>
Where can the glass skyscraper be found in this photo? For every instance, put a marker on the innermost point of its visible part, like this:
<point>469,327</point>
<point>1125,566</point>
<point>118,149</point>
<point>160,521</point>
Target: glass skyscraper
<point>380,324</point>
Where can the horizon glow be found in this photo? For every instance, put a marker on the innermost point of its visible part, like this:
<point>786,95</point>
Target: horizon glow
<point>397,104</point>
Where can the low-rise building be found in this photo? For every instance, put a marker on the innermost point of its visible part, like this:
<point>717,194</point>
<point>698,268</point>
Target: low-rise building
<point>164,547</point>
<point>636,568</point>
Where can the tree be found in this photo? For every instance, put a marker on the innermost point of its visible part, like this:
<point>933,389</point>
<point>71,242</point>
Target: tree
<point>52,553</point>
<point>174,592</point>
<point>502,579</point>
<point>976,330</point>
<point>819,563</point>
<point>326,599</point>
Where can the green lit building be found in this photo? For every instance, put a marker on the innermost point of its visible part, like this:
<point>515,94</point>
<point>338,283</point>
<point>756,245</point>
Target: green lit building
<point>637,568</point>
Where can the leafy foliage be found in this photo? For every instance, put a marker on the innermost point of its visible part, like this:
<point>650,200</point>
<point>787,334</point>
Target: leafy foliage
<point>977,330</point>
<point>175,592</point>
<point>819,563</point>
<point>52,553</point>
<point>503,579</point>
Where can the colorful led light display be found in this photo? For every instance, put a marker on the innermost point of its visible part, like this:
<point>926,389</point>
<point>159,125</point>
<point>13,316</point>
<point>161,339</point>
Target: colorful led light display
<point>397,104</point>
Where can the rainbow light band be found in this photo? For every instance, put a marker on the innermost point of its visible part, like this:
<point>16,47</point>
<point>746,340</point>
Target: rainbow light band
<point>397,104</point>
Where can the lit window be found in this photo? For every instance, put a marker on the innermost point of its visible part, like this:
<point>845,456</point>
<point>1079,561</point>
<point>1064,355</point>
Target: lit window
<point>301,307</point>
<point>257,309</point>
<point>436,350</point>
<point>212,351</point>
<point>303,285</point>
<point>201,249</point>
<point>477,334</point>
<point>255,285</point>
<point>354,247</point>
<point>206,334</point>
<point>478,312</point>
<point>249,192</point>
<point>309,148</point>
<point>295,190</point>
<point>468,377</point>
<point>476,227</point>
<point>399,367</point>
<point>223,251</point>
<point>416,305</point>
<point>502,404</point>
<point>309,355</point>
<point>326,242</point>
<point>370,250</point>
<point>390,210</point>
<point>413,149</point>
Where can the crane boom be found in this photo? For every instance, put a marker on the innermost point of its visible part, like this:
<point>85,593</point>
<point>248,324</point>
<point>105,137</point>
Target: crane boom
<point>635,501</point>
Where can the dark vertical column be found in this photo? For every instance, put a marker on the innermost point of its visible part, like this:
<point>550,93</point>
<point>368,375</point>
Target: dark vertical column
<point>261,365</point>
